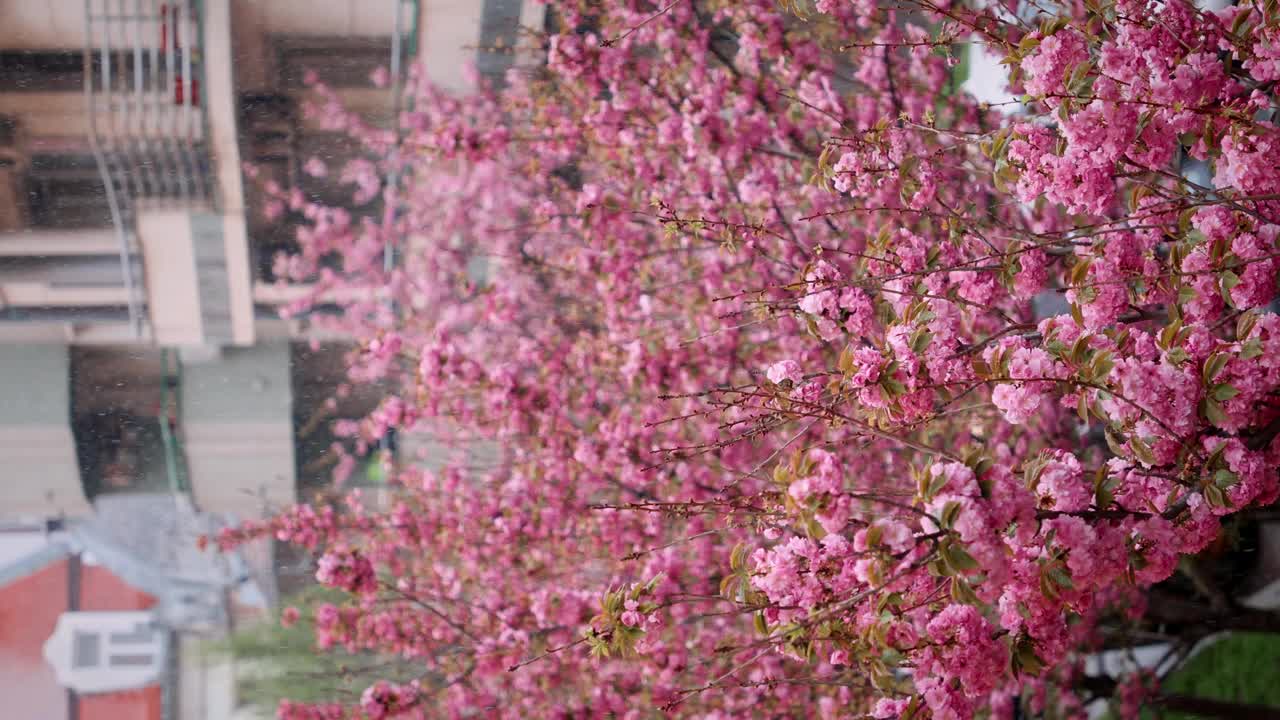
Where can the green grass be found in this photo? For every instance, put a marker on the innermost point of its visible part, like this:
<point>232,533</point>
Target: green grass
<point>1242,667</point>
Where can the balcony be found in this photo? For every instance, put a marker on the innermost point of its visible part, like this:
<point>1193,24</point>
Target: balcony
<point>124,134</point>
<point>146,114</point>
<point>147,128</point>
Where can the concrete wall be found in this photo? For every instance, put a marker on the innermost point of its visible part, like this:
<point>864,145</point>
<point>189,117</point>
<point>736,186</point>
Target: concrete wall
<point>237,420</point>
<point>40,475</point>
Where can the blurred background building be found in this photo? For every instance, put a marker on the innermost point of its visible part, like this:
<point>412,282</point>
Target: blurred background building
<point>150,392</point>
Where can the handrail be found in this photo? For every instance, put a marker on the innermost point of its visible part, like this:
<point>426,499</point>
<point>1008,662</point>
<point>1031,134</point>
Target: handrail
<point>409,34</point>
<point>108,182</point>
<point>174,456</point>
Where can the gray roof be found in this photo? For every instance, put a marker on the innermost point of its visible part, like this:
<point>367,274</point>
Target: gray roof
<point>33,562</point>
<point>149,541</point>
<point>158,533</point>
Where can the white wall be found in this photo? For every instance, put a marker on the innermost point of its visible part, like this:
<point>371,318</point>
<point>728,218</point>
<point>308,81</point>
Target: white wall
<point>173,289</point>
<point>42,25</point>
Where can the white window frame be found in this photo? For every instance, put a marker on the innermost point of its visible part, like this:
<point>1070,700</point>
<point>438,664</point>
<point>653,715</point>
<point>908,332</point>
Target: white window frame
<point>126,657</point>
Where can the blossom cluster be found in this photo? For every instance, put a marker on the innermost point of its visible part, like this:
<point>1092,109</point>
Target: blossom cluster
<point>939,392</point>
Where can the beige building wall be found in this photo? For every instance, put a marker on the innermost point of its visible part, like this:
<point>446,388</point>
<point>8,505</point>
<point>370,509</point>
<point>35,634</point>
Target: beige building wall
<point>39,473</point>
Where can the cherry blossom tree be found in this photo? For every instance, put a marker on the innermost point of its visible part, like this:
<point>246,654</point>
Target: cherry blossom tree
<point>761,311</point>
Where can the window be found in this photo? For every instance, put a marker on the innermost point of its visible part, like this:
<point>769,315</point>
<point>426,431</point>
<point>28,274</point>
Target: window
<point>85,649</point>
<point>338,62</point>
<point>66,191</point>
<point>63,70</point>
<point>41,71</point>
<point>135,660</point>
<point>104,651</point>
<point>141,633</point>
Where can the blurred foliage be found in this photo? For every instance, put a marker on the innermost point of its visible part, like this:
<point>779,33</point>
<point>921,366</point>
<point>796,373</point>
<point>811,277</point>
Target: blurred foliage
<point>274,662</point>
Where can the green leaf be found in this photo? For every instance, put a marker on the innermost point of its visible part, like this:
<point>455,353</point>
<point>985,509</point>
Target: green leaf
<point>1104,496</point>
<point>958,558</point>
<point>1060,576</point>
<point>845,365</point>
<point>1213,365</point>
<point>1143,121</point>
<point>761,625</point>
<point>728,587</point>
<point>1115,441</point>
<point>893,599</point>
<point>1238,24</point>
<point>1224,392</point>
<point>983,464</point>
<point>1251,348</point>
<point>1048,588</point>
<point>781,474</point>
<point>961,592</point>
<point>1032,469</point>
<point>1217,457</point>
<point>893,386</point>
<point>1226,281</point>
<point>1026,658</point>
<point>949,514</point>
<point>920,340</point>
<point>1214,412</point>
<point>1169,334</point>
<point>1101,366</point>
<point>1079,349</point>
<point>908,165</point>
<point>873,535</point>
<point>814,529</point>
<point>1245,324</point>
<point>936,483</point>
<point>1079,270</point>
<point>1142,451</point>
<point>652,584</point>
<point>1078,77</point>
<point>1215,497</point>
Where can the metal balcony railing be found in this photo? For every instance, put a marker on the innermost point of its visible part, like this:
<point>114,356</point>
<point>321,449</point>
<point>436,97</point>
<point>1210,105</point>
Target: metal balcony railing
<point>144,66</point>
<point>147,127</point>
